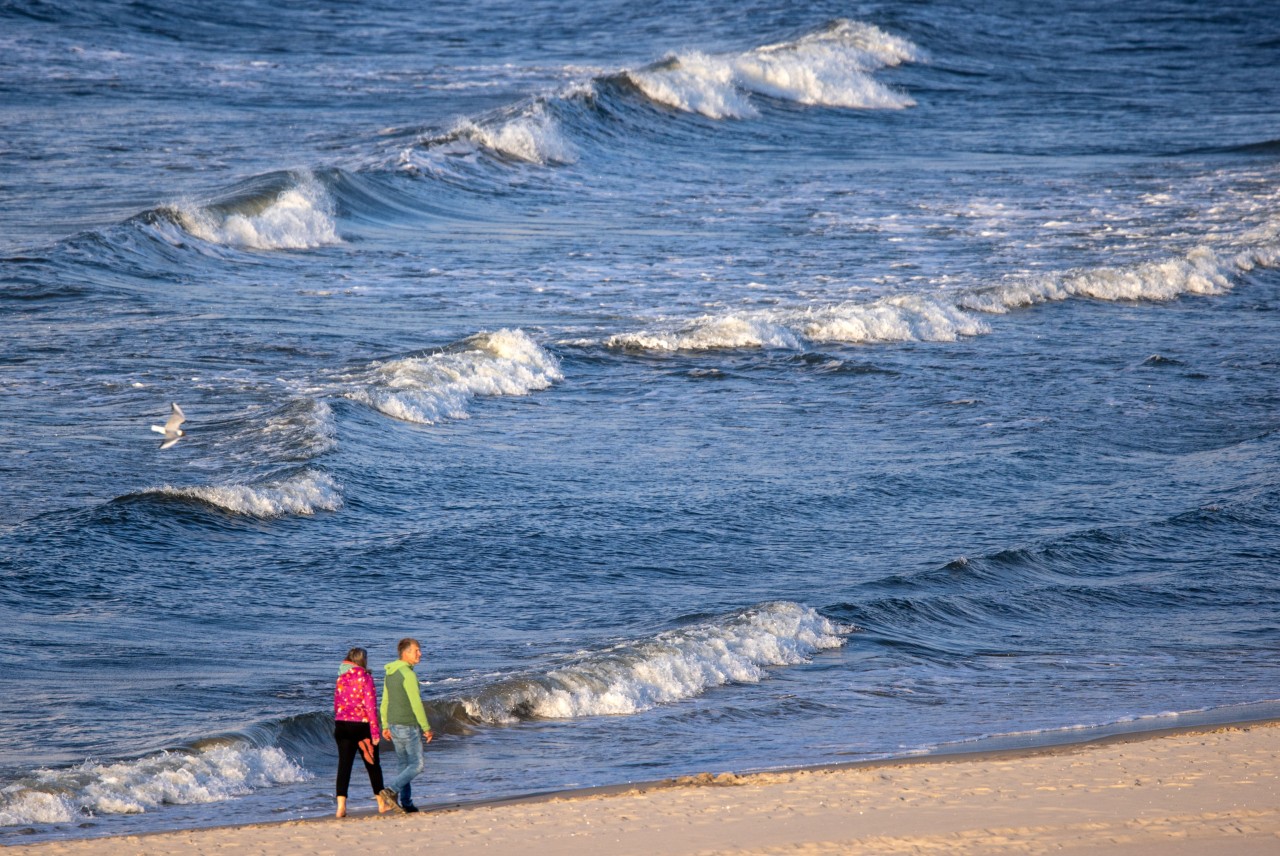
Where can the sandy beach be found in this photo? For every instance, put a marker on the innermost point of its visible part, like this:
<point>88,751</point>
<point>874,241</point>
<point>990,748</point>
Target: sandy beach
<point>1183,792</point>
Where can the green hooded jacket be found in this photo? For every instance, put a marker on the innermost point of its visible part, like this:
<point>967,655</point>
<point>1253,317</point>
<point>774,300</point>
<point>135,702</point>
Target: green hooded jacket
<point>401,699</point>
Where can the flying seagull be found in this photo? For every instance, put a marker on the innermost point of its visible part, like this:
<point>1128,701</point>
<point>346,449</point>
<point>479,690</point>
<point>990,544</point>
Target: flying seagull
<point>172,433</point>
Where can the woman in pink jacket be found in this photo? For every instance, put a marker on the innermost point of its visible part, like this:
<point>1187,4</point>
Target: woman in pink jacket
<point>355,726</point>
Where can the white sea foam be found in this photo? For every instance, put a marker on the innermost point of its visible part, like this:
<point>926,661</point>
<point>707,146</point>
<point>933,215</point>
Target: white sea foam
<point>679,664</point>
<point>440,386</point>
<point>533,137</point>
<point>920,318</point>
<point>695,83</point>
<point>738,330</point>
<point>831,68</point>
<point>1266,256</point>
<point>299,217</point>
<point>1201,271</point>
<point>212,774</point>
<point>302,494</point>
<point>902,318</point>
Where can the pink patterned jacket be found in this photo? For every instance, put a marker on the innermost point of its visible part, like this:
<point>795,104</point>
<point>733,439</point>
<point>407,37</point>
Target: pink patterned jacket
<point>354,699</point>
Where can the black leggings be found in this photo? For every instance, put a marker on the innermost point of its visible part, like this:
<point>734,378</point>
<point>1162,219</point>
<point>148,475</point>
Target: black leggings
<point>349,735</point>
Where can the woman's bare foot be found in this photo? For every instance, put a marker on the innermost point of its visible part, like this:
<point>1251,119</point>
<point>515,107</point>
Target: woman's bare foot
<point>383,805</point>
<point>342,807</point>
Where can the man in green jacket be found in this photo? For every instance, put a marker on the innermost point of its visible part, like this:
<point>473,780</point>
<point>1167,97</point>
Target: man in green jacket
<point>404,722</point>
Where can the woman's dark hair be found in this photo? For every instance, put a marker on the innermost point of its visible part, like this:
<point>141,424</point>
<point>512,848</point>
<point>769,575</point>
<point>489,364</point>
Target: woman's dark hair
<point>359,656</point>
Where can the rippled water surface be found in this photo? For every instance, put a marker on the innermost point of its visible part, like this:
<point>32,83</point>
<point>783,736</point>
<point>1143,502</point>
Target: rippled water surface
<point>709,388</point>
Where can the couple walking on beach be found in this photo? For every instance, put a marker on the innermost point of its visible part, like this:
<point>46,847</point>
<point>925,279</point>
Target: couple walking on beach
<point>360,724</point>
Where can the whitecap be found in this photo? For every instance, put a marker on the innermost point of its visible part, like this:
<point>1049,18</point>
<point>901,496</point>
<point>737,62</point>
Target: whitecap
<point>212,774</point>
<point>302,494</point>
<point>695,83</point>
<point>902,318</point>
<point>738,330</point>
<point>636,676</point>
<point>1200,271</point>
<point>439,386</point>
<point>297,218</point>
<point>945,318</point>
<point>831,68</point>
<point>533,137</point>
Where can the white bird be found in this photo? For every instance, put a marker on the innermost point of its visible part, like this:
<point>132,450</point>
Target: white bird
<point>172,433</point>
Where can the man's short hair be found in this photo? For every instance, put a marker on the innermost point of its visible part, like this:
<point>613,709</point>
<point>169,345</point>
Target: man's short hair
<point>406,643</point>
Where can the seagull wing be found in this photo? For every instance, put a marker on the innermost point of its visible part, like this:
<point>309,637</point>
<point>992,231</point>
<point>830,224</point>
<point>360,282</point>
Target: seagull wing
<point>176,418</point>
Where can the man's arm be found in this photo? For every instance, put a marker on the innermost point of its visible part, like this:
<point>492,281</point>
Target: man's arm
<point>382,710</point>
<point>415,701</point>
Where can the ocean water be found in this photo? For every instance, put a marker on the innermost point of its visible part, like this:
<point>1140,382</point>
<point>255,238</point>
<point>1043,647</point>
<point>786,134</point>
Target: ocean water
<point>711,387</point>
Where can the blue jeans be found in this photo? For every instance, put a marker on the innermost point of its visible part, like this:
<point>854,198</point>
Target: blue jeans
<point>408,743</point>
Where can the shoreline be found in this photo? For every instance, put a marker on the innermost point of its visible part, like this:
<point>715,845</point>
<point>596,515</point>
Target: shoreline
<point>550,821</point>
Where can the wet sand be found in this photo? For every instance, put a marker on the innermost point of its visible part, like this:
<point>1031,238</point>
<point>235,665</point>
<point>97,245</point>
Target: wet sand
<point>1171,793</point>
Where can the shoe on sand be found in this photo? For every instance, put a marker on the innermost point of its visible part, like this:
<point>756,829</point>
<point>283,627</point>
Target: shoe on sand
<point>389,797</point>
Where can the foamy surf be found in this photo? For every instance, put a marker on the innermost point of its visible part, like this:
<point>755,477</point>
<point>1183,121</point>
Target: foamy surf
<point>429,389</point>
<point>212,774</point>
<point>903,318</point>
<point>636,676</point>
<point>526,135</point>
<point>1201,271</point>
<point>304,494</point>
<point>831,68</point>
<point>532,137</point>
<point>298,217</point>
<point>921,318</point>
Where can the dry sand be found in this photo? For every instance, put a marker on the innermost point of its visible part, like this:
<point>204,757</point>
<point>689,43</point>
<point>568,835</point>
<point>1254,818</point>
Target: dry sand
<point>1212,791</point>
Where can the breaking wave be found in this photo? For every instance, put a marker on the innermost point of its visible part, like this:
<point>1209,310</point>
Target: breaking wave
<point>299,216</point>
<point>891,319</point>
<point>531,135</point>
<point>302,494</point>
<point>831,68</point>
<point>635,676</point>
<point>211,774</point>
<point>1201,271</point>
<point>437,386</point>
<point>919,318</point>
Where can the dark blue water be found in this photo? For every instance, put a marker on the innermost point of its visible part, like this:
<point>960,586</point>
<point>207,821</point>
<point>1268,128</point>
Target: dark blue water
<point>708,388</point>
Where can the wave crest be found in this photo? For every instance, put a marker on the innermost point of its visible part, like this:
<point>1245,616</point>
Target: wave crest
<point>830,68</point>
<point>917,318</point>
<point>440,386</point>
<point>533,137</point>
<point>302,494</point>
<point>299,217</point>
<point>903,318</point>
<point>529,135</point>
<point>1201,271</point>
<point>211,774</point>
<point>679,664</point>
